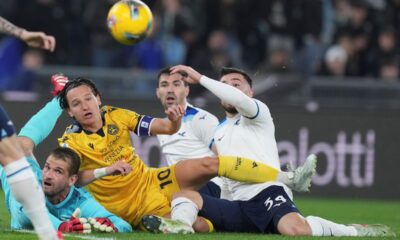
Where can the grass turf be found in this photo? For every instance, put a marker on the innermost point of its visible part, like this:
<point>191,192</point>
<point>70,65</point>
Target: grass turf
<point>338,210</point>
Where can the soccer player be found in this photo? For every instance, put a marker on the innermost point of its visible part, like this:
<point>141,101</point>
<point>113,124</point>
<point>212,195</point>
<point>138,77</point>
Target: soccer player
<point>101,136</point>
<point>57,179</point>
<point>21,179</point>
<point>197,129</point>
<point>19,175</point>
<point>32,39</point>
<point>265,207</point>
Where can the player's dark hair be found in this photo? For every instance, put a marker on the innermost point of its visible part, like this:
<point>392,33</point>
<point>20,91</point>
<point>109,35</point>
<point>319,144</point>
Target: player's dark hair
<point>167,70</point>
<point>228,70</point>
<point>69,156</point>
<point>62,96</point>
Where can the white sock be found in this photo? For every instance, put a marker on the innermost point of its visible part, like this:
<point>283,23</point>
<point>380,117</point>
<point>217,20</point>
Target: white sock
<point>26,190</point>
<point>286,178</point>
<point>323,227</point>
<point>184,210</point>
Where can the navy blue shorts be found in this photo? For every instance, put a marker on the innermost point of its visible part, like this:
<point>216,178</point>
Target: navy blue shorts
<point>211,189</point>
<point>260,214</point>
<point>6,126</point>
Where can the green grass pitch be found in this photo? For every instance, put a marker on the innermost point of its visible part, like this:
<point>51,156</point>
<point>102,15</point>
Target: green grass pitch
<point>342,211</point>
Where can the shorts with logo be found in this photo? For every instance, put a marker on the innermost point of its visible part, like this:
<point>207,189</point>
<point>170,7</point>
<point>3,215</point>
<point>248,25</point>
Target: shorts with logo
<point>260,214</point>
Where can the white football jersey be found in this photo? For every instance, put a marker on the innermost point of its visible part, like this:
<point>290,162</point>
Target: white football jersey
<point>193,138</point>
<point>252,138</point>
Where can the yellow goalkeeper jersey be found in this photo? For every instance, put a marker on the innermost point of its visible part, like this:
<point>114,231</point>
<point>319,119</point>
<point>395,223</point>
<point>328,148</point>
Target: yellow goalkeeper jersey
<point>140,192</point>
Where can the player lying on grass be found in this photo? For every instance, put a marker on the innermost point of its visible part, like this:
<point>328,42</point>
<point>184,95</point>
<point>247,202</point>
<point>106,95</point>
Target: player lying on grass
<point>262,208</point>
<point>101,136</point>
<point>57,179</point>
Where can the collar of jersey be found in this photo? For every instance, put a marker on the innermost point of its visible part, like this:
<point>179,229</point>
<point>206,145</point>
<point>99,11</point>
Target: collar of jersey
<point>99,132</point>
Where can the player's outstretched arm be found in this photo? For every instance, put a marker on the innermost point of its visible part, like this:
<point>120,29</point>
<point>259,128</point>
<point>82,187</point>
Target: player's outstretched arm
<point>117,168</point>
<point>244,104</point>
<point>169,125</point>
<point>32,39</point>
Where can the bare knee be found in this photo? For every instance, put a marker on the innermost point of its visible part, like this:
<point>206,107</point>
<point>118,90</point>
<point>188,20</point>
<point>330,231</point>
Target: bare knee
<point>293,224</point>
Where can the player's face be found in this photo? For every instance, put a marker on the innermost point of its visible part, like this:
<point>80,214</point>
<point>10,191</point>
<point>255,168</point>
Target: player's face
<point>172,90</point>
<point>56,179</point>
<point>238,81</point>
<point>84,106</point>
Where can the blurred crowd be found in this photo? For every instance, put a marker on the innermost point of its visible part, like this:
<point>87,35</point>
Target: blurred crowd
<point>340,38</point>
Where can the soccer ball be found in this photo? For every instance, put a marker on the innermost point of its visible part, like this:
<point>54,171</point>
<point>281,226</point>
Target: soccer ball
<point>129,21</point>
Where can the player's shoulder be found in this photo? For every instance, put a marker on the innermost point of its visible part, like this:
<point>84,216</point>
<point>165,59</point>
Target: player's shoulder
<point>116,111</point>
<point>75,127</point>
<point>198,114</point>
<point>222,123</point>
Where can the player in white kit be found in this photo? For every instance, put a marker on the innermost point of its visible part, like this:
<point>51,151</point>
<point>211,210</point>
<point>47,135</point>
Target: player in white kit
<point>248,131</point>
<point>197,129</point>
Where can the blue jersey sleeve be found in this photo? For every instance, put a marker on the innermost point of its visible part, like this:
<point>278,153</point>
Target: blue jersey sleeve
<point>92,209</point>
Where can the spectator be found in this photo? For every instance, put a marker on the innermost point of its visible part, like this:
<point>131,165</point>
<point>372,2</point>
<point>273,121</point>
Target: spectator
<point>335,62</point>
<point>389,70</point>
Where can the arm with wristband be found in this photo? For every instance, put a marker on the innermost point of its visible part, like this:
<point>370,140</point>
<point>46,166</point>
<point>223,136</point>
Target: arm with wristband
<point>117,168</point>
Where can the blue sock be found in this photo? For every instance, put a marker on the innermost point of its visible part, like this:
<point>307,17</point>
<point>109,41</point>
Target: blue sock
<point>42,123</point>
<point>6,126</point>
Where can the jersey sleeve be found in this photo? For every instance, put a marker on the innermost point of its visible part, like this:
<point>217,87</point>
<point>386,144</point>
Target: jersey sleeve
<point>66,141</point>
<point>139,124</point>
<point>92,209</point>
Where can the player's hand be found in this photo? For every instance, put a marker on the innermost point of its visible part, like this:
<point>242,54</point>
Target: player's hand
<point>76,224</point>
<point>58,80</point>
<point>192,77</point>
<point>119,168</point>
<point>38,40</point>
<point>175,113</point>
<point>102,225</point>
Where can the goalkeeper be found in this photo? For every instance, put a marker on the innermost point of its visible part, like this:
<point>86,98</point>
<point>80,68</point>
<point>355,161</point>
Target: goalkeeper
<point>57,180</point>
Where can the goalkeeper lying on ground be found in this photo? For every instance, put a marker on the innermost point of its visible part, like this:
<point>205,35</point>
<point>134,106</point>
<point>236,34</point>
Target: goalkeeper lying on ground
<point>58,178</point>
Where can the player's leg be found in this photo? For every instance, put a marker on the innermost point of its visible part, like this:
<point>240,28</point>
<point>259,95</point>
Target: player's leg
<point>194,173</point>
<point>323,227</point>
<point>223,215</point>
<point>22,181</point>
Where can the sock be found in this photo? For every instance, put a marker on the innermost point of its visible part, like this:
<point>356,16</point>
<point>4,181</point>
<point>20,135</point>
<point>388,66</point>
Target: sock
<point>26,190</point>
<point>323,227</point>
<point>210,225</point>
<point>42,123</point>
<point>286,178</point>
<point>246,170</point>
<point>184,210</point>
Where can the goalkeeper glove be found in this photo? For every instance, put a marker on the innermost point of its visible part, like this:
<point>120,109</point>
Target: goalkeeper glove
<point>58,80</point>
<point>102,225</point>
<point>76,224</point>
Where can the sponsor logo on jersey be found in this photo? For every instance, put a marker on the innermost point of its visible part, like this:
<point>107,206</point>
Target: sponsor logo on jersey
<point>112,129</point>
